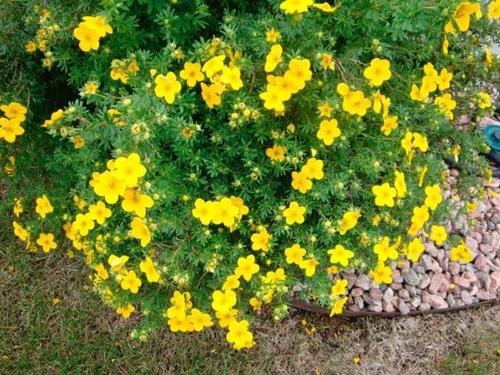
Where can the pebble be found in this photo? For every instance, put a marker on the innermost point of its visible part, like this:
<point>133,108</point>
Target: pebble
<point>403,308</point>
<point>363,282</point>
<point>424,281</point>
<point>410,277</point>
<point>437,302</point>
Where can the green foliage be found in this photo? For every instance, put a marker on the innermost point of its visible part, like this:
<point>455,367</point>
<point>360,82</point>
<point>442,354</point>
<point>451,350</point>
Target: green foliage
<point>191,151</point>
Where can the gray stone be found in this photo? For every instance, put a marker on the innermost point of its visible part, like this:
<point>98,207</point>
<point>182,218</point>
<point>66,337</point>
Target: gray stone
<point>437,302</point>
<point>484,280</point>
<point>410,277</point>
<point>451,300</point>
<point>363,282</point>
<point>435,282</point>
<point>424,281</point>
<point>416,301</point>
<point>388,295</point>
<point>403,308</point>
<point>376,294</point>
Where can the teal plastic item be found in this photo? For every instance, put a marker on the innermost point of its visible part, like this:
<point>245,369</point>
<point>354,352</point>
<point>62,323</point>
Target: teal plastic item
<point>492,134</point>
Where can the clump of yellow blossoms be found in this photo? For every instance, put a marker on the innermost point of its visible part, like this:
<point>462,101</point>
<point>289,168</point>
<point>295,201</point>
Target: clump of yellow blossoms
<point>90,31</point>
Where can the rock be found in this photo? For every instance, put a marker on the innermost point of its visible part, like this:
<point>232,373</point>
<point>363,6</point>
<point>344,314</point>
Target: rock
<point>484,295</point>
<point>495,280</point>
<point>363,282</point>
<point>396,276</point>
<point>466,297</point>
<point>350,277</point>
<point>396,286</point>
<point>495,238</point>
<point>388,295</point>
<point>357,292</point>
<point>424,307</point>
<point>403,308</point>
<point>359,302</point>
<point>412,290</point>
<point>431,249</point>
<point>424,281</point>
<point>410,277</point>
<point>419,269</point>
<point>450,300</point>
<point>491,225</point>
<point>470,276</point>
<point>454,268</point>
<point>481,263</point>
<point>416,301</point>
<point>426,261</point>
<point>438,302</point>
<point>404,264</point>
<point>404,294</point>
<point>484,280</point>
<point>445,285</point>
<point>485,249</point>
<point>375,308</point>
<point>353,308</point>
<point>435,283</point>
<point>471,243</point>
<point>376,294</point>
<point>387,307</point>
<point>461,281</point>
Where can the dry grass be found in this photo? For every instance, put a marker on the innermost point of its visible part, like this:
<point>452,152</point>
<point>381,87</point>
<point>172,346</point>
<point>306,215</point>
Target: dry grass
<point>80,335</point>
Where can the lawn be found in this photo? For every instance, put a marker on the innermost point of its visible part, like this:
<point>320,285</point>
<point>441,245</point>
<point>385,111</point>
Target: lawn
<point>51,322</point>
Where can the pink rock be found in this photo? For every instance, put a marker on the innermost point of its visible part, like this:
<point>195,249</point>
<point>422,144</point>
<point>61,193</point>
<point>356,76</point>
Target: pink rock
<point>461,281</point>
<point>435,283</point>
<point>356,292</point>
<point>481,263</point>
<point>454,268</point>
<point>396,276</point>
<point>396,286</point>
<point>495,280</point>
<point>425,296</point>
<point>376,294</point>
<point>388,307</point>
<point>424,307</point>
<point>466,297</point>
<point>484,295</point>
<point>470,276</point>
<point>438,302</point>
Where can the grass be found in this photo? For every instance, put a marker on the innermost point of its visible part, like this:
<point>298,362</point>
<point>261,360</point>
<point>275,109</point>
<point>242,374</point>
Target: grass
<point>80,335</point>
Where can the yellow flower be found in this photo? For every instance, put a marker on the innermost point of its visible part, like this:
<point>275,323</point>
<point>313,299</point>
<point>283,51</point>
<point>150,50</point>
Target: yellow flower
<point>415,249</point>
<point>349,221</point>
<point>313,169</point>
<point>300,182</point>
<point>83,224</point>
<point>224,212</point>
<point>14,111</point>
<point>384,251</point>
<point>420,142</point>
<point>339,288</point>
<point>295,254</point>
<point>140,231</point>
<point>239,335</point>
<point>273,58</point>
<point>131,282</point>
<point>382,274</point>
<point>340,255</point>
<point>494,10</point>
<point>378,72</point>
<point>232,77</point>
<point>354,102</point>
<point>438,234</point>
<point>325,7</point>
<point>167,87</point>
<point>148,267</point>
<point>214,65</point>
<point>325,110</point>
<point>444,79</point>
<point>299,71</point>
<point>418,94</point>
<point>203,211</point>
<point>212,94</point>
<point>78,141</point>
<point>136,203</point>
<point>272,35</point>
<point>433,196</point>
<point>90,88</point>
<point>400,184</point>
<point>129,169</point>
<point>192,74</point>
<point>109,187</point>
<point>126,310</point>
<point>100,272</point>
<point>223,301</point>
<point>294,213</point>
<point>43,206</point>
<point>246,267</point>
<point>327,61</point>
<point>199,320</point>
<point>390,124</point>
<point>17,209</point>
<point>30,46</point>
<point>20,232</point>
<point>87,36</point>
<point>231,282</point>
<point>99,212</point>
<point>328,131</point>
<point>261,239</point>
<point>384,195</point>
<point>226,317</point>
<point>338,306</point>
<point>461,253</point>
<point>276,153</point>
<point>484,100</point>
<point>463,13</point>
<point>46,241</point>
<point>10,129</point>
<point>309,266</point>
<point>116,263</point>
<point>296,6</point>
<point>446,105</point>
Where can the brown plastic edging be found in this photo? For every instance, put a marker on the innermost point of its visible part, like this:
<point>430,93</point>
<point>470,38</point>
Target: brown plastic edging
<point>316,308</point>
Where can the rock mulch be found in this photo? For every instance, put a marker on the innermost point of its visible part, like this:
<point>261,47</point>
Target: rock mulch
<point>435,282</point>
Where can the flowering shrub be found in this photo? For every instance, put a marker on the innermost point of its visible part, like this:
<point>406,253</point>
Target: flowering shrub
<point>202,177</point>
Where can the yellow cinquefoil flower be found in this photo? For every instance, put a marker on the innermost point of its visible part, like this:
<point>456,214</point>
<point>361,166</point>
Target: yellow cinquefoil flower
<point>167,87</point>
<point>378,72</point>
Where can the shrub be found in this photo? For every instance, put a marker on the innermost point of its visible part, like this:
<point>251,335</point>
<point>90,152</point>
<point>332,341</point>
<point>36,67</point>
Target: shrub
<point>205,157</point>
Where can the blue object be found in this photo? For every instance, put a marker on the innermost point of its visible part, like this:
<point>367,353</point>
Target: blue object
<point>492,134</point>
